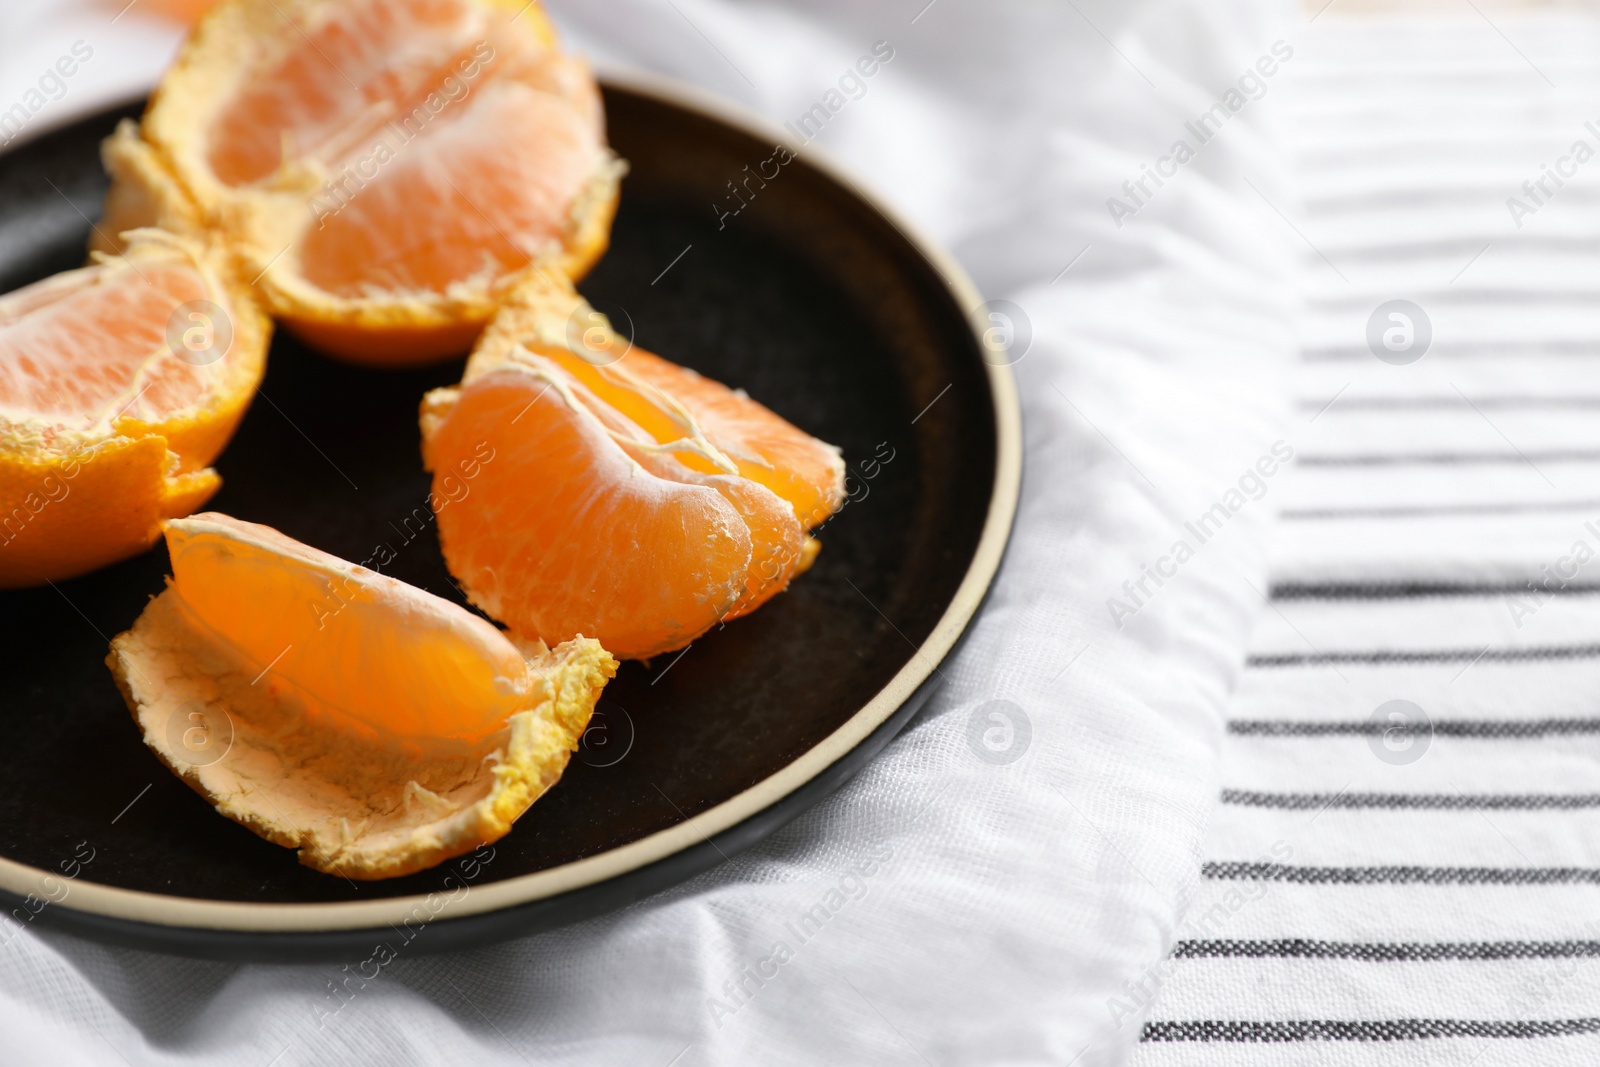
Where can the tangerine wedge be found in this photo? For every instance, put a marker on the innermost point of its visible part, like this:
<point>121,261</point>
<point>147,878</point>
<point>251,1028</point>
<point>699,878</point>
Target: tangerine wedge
<point>629,498</point>
<point>376,728</point>
<point>119,384</point>
<point>388,168</point>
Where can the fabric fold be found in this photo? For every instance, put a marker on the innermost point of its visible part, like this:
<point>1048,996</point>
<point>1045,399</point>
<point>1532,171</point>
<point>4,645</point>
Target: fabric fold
<point>994,887</point>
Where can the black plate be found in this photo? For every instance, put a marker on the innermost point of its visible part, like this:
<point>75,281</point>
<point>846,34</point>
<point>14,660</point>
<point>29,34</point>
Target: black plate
<point>811,299</point>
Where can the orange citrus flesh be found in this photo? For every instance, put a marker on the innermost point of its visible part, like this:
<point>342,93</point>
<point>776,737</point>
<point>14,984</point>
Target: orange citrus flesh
<point>613,509</point>
<point>388,167</point>
<point>310,622</point>
<point>546,316</point>
<point>84,348</point>
<point>371,725</point>
<point>119,383</point>
<point>777,541</point>
<point>766,448</point>
<point>564,533</point>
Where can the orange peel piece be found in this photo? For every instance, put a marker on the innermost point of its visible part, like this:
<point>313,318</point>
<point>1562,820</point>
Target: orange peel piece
<point>376,728</point>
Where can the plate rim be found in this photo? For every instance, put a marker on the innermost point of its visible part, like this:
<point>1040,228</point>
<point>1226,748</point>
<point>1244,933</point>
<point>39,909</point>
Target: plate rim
<point>196,914</point>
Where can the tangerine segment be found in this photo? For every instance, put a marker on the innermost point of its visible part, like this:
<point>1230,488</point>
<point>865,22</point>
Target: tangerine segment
<point>777,543</point>
<point>563,532</point>
<point>667,401</point>
<point>390,729</point>
<point>803,470</point>
<point>304,620</point>
<point>119,383</point>
<point>387,167</point>
<point>744,453</point>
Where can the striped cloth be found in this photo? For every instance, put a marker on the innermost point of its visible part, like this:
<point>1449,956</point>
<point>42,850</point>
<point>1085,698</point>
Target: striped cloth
<point>1405,864</point>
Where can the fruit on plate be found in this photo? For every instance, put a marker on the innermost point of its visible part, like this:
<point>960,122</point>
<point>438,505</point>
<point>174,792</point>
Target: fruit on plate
<point>375,727</point>
<point>387,169</point>
<point>629,498</point>
<point>119,383</point>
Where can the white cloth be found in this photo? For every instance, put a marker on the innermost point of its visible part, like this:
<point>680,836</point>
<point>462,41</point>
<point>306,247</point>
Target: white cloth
<point>1008,901</point>
<point>62,60</point>
<point>1429,896</point>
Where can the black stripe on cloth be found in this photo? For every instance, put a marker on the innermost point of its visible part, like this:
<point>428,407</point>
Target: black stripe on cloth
<point>1434,655</point>
<point>1399,590</point>
<point>1492,729</point>
<point>1379,952</point>
<point>1425,511</point>
<point>1287,1030</point>
<point>1445,801</point>
<point>1237,871</point>
<point>1440,459</point>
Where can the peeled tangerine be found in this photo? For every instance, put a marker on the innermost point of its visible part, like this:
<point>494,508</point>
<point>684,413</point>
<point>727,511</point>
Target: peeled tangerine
<point>119,384</point>
<point>627,498</point>
<point>387,168</point>
<point>373,726</point>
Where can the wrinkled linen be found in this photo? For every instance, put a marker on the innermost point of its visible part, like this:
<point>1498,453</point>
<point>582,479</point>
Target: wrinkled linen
<point>976,910</point>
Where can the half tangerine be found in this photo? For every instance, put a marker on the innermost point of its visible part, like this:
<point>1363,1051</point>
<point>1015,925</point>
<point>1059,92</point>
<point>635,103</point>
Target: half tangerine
<point>387,168</point>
